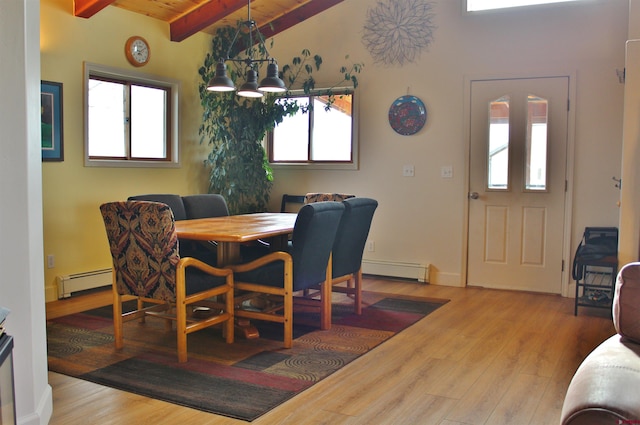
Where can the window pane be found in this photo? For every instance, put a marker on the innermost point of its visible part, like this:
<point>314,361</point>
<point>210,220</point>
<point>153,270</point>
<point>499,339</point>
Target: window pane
<point>536,149</point>
<point>474,5</point>
<point>498,153</point>
<point>331,139</point>
<point>148,122</point>
<point>292,136</point>
<point>318,136</point>
<point>106,116</point>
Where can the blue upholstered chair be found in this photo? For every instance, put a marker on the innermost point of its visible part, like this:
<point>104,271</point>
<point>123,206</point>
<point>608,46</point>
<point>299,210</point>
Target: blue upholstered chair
<point>280,274</point>
<point>146,264</point>
<point>205,205</point>
<point>348,247</point>
<point>174,202</point>
<point>291,203</point>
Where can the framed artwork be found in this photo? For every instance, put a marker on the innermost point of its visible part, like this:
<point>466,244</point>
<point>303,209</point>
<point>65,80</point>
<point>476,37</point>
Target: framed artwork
<point>51,121</point>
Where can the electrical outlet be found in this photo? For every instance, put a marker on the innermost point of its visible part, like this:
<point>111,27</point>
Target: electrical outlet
<point>408,171</point>
<point>371,246</point>
<point>446,172</point>
<point>51,261</point>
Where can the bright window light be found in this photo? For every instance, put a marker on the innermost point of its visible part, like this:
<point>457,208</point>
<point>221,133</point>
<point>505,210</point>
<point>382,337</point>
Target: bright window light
<point>475,5</point>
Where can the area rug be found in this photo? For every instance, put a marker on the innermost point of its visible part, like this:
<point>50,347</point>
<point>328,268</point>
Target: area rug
<point>242,380</point>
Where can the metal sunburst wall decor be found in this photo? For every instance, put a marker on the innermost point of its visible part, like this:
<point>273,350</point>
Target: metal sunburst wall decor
<point>398,31</point>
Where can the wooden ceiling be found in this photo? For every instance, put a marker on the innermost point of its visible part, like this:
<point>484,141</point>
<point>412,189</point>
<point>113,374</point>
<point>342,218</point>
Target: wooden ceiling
<point>187,17</point>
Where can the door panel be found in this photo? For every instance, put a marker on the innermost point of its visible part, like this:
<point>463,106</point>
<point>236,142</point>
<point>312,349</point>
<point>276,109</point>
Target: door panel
<point>518,145</point>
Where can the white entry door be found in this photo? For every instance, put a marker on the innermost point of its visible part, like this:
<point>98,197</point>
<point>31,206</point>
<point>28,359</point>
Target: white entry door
<point>517,183</point>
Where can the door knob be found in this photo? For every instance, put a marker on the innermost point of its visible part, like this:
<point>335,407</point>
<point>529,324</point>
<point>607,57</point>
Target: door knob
<point>473,195</point>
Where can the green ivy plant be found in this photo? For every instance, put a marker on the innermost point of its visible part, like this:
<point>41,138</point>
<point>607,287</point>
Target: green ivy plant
<point>235,126</point>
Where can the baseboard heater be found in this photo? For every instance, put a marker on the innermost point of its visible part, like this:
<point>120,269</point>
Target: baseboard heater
<point>68,284</point>
<point>420,272</point>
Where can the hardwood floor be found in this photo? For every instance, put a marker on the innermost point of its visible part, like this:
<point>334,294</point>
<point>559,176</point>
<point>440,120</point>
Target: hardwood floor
<point>486,357</point>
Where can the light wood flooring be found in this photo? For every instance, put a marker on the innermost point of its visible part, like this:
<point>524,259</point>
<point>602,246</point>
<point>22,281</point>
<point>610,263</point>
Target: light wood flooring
<point>486,357</point>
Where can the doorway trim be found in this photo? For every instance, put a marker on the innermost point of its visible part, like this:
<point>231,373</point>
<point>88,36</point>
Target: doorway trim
<point>568,204</point>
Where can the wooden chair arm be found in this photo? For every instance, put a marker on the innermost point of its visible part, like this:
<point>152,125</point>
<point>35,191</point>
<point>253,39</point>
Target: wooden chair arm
<point>201,265</point>
<point>259,262</point>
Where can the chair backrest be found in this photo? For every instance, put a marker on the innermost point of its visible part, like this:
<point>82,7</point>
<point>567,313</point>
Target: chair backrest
<point>348,247</point>
<point>297,200</point>
<point>144,248</point>
<point>313,235</point>
<point>174,202</point>
<point>205,205</point>
<point>322,197</point>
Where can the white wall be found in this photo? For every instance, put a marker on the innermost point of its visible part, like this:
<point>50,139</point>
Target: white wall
<point>21,210</point>
<point>422,219</point>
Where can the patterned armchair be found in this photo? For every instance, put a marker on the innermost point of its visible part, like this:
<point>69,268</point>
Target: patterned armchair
<point>146,264</point>
<point>322,197</point>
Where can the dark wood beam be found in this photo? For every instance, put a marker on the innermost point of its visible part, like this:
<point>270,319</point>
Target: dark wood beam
<point>202,17</point>
<point>296,16</point>
<point>88,8</point>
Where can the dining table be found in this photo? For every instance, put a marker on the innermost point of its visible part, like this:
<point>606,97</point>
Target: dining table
<point>230,232</point>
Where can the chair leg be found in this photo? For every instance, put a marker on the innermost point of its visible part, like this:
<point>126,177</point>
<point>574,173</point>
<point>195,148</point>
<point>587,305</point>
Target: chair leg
<point>288,320</point>
<point>140,307</point>
<point>181,330</point>
<point>325,300</point>
<point>288,304</point>
<point>117,319</point>
<point>358,295</point>
<point>230,324</point>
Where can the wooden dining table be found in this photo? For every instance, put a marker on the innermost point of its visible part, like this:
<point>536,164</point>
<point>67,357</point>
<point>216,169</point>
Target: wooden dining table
<point>232,231</point>
<point>229,232</point>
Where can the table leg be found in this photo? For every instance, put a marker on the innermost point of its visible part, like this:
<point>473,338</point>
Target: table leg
<point>229,253</point>
<point>279,243</point>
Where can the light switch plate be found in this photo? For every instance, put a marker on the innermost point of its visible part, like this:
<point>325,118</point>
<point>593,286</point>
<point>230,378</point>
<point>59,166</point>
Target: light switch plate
<point>446,171</point>
<point>408,171</point>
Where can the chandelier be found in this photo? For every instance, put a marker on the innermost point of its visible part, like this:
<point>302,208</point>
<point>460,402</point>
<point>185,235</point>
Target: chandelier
<point>220,82</point>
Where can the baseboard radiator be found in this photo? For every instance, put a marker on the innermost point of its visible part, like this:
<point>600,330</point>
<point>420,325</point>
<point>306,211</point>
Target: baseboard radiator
<point>68,284</point>
<point>420,272</point>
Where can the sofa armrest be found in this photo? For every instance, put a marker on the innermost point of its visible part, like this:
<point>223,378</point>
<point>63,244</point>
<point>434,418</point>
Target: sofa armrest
<point>626,302</point>
<point>604,389</point>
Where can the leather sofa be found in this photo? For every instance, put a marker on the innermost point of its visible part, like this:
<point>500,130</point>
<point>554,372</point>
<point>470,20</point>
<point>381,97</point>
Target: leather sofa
<point>606,387</point>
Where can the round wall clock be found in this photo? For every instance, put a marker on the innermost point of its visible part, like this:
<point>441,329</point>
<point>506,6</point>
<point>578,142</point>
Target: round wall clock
<point>407,115</point>
<point>137,51</point>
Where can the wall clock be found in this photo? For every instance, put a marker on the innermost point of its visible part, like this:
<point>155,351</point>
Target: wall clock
<point>137,51</point>
<point>407,115</point>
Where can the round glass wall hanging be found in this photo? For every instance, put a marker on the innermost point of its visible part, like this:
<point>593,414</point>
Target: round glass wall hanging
<point>407,115</point>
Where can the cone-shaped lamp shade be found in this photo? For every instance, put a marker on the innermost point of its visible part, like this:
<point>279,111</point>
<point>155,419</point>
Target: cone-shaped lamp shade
<point>220,81</point>
<point>272,83</point>
<point>250,87</point>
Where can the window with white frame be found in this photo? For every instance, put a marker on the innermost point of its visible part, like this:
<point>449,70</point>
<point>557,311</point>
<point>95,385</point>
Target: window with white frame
<point>131,119</point>
<point>321,136</point>
<point>477,5</point>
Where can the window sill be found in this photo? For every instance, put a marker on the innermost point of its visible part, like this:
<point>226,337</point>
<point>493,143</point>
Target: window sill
<point>315,166</point>
<point>130,164</point>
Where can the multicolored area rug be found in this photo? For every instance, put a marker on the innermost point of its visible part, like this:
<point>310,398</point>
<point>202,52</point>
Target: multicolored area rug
<point>242,380</point>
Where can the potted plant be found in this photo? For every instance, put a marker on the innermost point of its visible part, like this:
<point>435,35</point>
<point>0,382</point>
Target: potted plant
<point>235,126</point>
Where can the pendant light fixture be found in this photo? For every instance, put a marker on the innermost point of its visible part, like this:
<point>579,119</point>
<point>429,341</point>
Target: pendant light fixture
<point>272,83</point>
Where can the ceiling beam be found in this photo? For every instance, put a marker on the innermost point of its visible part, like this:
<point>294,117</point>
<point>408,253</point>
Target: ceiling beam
<point>202,17</point>
<point>296,16</point>
<point>88,8</point>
